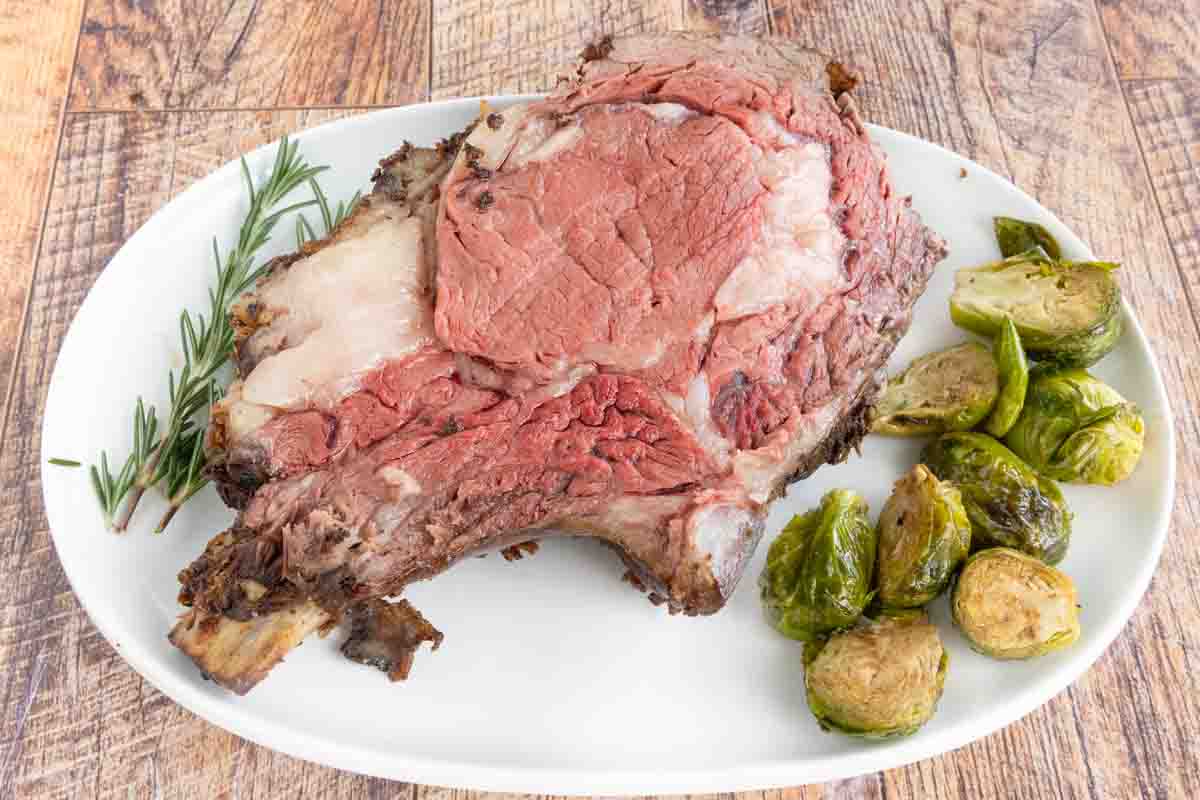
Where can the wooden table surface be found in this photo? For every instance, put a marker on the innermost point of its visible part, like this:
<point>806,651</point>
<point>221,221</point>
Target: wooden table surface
<point>112,107</point>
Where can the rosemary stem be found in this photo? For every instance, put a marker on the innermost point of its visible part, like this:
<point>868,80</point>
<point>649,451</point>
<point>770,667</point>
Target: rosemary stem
<point>143,482</point>
<point>122,520</point>
<point>167,517</point>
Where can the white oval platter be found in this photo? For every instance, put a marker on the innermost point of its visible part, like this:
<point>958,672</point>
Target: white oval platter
<point>556,677</point>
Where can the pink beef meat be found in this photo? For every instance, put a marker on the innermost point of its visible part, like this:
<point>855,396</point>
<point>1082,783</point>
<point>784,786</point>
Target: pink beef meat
<point>634,310</point>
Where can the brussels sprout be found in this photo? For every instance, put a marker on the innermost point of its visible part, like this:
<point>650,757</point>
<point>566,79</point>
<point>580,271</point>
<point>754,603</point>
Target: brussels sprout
<point>818,573</point>
<point>1076,428</point>
<point>1068,312</point>
<point>1014,380</point>
<point>1009,504</point>
<point>924,535</point>
<point>950,390</point>
<point>1016,236</point>
<point>1010,605</point>
<point>882,678</point>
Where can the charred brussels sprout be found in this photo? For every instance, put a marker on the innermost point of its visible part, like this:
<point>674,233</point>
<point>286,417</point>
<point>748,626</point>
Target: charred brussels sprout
<point>818,573</point>
<point>1014,380</point>
<point>1076,428</point>
<point>1067,312</point>
<point>924,535</point>
<point>950,390</point>
<point>882,678</point>
<point>1009,504</point>
<point>1016,236</point>
<point>1010,605</point>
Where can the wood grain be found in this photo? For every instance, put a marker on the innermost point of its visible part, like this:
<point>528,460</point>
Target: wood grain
<point>1093,109</point>
<point>251,53</point>
<point>1166,115</point>
<point>728,16</point>
<point>497,47</point>
<point>33,86</point>
<point>1156,50</point>
<point>1153,38</point>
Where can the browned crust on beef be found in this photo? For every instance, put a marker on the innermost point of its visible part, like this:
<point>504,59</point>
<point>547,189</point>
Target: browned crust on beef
<point>598,49</point>
<point>411,166</point>
<point>237,482</point>
<point>239,574</point>
<point>242,618</point>
<point>842,79</point>
<point>837,445</point>
<point>518,551</point>
<point>387,636</point>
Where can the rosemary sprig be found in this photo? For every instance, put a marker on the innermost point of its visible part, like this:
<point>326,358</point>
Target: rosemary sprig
<point>111,489</point>
<point>183,478</point>
<point>174,462</point>
<point>304,231</point>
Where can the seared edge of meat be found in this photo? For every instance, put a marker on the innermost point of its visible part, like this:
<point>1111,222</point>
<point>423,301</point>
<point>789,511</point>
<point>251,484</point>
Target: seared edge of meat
<point>242,619</point>
<point>387,636</point>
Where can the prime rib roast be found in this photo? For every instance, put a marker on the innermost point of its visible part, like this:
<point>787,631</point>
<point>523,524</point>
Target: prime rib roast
<point>634,311</point>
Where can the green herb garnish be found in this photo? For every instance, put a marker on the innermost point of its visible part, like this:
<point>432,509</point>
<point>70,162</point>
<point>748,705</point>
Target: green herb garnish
<point>65,462</point>
<point>173,459</point>
<point>332,217</point>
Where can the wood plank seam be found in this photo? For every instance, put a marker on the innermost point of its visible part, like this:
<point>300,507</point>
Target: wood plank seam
<point>41,237</point>
<point>1144,161</point>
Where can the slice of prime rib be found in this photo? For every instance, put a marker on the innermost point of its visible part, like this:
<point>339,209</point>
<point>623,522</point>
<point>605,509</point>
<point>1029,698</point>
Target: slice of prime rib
<point>634,310</point>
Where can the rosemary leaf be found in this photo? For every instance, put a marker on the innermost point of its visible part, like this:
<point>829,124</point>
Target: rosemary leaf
<point>65,462</point>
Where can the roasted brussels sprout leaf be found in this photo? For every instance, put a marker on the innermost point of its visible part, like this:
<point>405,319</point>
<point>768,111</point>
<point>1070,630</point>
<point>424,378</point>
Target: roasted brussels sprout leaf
<point>1011,605</point>
<point>1009,504</point>
<point>1016,236</point>
<point>1014,380</point>
<point>1068,312</point>
<point>819,570</point>
<point>924,535</point>
<point>879,679</point>
<point>1078,429</point>
<point>950,390</point>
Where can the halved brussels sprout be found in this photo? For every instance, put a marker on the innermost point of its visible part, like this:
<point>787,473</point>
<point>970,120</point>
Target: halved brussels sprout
<point>882,678</point>
<point>1011,605</point>
<point>1014,380</point>
<point>1076,428</point>
<point>924,535</point>
<point>1009,504</point>
<point>818,573</point>
<point>950,390</point>
<point>1017,236</point>
<point>1068,312</point>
